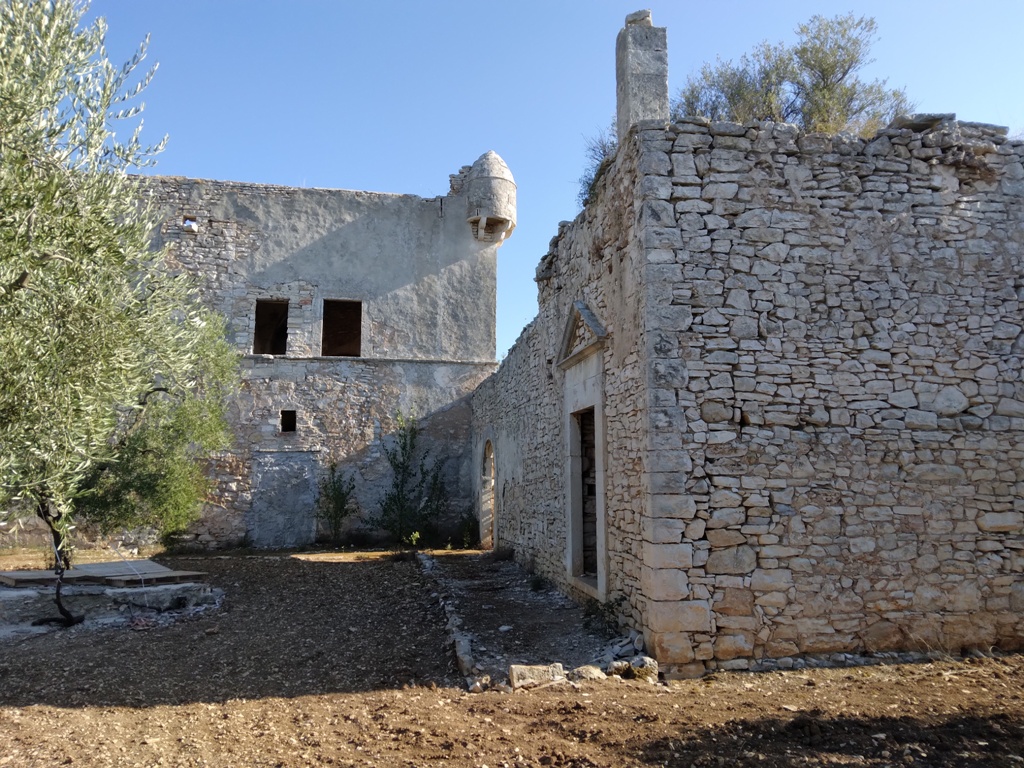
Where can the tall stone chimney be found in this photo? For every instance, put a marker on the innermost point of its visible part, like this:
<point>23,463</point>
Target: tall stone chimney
<point>641,72</point>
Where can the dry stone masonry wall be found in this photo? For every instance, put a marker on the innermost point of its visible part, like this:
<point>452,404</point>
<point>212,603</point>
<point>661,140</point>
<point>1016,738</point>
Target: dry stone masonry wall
<point>525,410</point>
<point>835,353</point>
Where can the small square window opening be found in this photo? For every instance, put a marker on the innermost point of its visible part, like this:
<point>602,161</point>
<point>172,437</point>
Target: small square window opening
<point>288,420</point>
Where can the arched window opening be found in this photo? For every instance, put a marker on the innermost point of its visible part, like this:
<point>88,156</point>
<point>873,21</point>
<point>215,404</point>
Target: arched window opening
<point>487,498</point>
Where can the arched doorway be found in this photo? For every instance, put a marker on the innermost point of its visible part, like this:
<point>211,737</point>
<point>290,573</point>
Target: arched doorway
<point>487,498</point>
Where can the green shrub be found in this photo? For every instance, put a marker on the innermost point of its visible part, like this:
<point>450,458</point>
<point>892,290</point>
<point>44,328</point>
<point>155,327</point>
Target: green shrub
<point>417,500</point>
<point>336,502</point>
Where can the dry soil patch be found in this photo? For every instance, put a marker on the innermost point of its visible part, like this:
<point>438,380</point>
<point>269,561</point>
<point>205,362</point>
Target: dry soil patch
<point>341,660</point>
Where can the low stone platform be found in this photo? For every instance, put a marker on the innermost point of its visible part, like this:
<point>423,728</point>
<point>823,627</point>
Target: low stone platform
<point>118,573</point>
<point>140,593</point>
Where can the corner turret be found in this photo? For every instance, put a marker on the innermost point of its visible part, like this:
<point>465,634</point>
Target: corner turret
<point>491,196</point>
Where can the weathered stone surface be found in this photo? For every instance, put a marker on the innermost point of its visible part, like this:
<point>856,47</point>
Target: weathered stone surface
<point>1001,522</point>
<point>530,676</point>
<point>732,560</point>
<point>665,583</point>
<point>668,556</point>
<point>672,647</point>
<point>644,668</point>
<point>733,646</point>
<point>882,636</point>
<point>587,672</point>
<point>948,402</point>
<point>735,602</point>
<point>679,616</point>
<point>414,349</point>
<point>771,580</point>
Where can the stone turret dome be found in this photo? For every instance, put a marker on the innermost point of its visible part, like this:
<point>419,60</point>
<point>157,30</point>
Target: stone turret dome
<point>491,198</point>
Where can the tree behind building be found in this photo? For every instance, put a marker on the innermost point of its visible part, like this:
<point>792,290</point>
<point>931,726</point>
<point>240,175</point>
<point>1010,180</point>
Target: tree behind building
<point>814,83</point>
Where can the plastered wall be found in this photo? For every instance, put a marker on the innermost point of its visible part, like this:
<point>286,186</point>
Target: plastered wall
<point>426,288</point>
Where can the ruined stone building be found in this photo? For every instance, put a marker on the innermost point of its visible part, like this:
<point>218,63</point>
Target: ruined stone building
<point>771,404</point>
<point>349,308</point>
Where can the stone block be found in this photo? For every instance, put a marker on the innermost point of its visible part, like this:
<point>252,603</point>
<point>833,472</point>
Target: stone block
<point>676,506</point>
<point>1001,522</point>
<point>679,616</point>
<point>938,473</point>
<point>965,598</point>
<point>1017,597</point>
<point>734,646</point>
<point>882,636</point>
<point>948,401</point>
<point>920,419</point>
<point>690,671</point>
<point>667,482</point>
<point>530,676</point>
<point>720,191</point>
<point>732,560</point>
<point>723,518</point>
<point>724,497</point>
<point>960,632</point>
<point>1011,408</point>
<point>735,602</point>
<point>860,545</point>
<point>662,530</point>
<point>668,555</point>
<point>771,580</point>
<point>664,584</point>
<point>713,411</point>
<point>725,537</point>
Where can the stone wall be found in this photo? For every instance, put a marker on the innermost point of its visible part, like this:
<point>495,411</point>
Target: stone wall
<point>594,262</point>
<point>426,287</point>
<point>813,397</point>
<point>836,342</point>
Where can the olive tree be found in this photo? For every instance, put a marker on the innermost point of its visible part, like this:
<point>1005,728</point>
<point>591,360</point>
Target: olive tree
<point>814,82</point>
<point>107,356</point>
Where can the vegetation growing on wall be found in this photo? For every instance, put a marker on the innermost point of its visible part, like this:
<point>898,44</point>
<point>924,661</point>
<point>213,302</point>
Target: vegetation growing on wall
<point>600,151</point>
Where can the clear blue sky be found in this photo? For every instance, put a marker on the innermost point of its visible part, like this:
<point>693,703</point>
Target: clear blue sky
<point>395,95</point>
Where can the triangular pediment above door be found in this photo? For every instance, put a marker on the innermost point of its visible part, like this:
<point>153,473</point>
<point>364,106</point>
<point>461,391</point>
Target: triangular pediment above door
<point>584,334</point>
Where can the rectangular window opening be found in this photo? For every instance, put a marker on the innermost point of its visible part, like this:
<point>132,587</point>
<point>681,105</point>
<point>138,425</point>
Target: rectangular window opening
<point>288,420</point>
<point>271,337</point>
<point>342,335</point>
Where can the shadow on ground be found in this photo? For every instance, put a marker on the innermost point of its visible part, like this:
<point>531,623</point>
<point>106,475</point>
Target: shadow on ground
<point>292,625</point>
<point>813,739</point>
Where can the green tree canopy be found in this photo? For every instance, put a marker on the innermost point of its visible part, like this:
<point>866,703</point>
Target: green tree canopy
<point>106,354</point>
<point>814,83</point>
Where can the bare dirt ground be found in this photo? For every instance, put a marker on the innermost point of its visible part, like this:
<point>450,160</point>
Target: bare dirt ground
<point>341,659</point>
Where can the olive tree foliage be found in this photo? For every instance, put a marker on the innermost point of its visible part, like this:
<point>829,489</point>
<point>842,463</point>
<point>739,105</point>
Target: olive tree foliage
<point>110,368</point>
<point>814,83</point>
